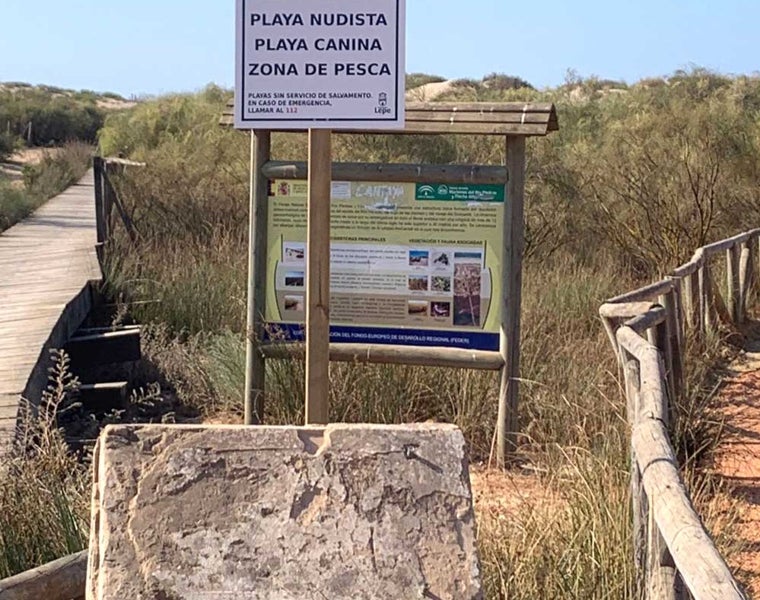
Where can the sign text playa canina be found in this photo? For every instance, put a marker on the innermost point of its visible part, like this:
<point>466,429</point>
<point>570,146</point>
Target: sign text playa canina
<point>334,64</point>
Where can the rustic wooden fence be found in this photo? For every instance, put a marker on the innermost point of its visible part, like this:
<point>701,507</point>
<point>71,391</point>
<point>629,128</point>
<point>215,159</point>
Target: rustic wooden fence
<point>675,556</point>
<point>106,200</point>
<point>63,579</point>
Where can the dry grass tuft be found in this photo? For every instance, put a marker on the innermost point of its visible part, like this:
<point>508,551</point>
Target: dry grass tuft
<point>44,490</point>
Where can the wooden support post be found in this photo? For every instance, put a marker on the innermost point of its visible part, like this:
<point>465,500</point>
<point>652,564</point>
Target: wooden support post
<point>511,300</point>
<point>318,278</point>
<point>638,495</point>
<point>111,200</point>
<point>680,311</point>
<point>732,277</point>
<point>657,336</point>
<point>756,265</point>
<point>674,363</point>
<point>691,300</point>
<point>745,276</point>
<point>753,272</point>
<point>255,371</point>
<point>662,339</point>
<point>109,193</point>
<point>661,572</point>
<point>97,172</point>
<point>705,299</point>
<point>97,169</point>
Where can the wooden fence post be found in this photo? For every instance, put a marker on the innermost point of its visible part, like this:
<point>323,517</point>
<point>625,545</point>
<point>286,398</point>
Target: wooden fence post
<point>97,168</point>
<point>674,319</point>
<point>691,300</point>
<point>733,285</point>
<point>756,278</point>
<point>318,278</point>
<point>661,573</point>
<point>111,200</point>
<point>745,275</point>
<point>508,424</point>
<point>706,320</point>
<point>754,270</point>
<point>662,340</point>
<point>638,495</point>
<point>109,194</point>
<point>255,365</point>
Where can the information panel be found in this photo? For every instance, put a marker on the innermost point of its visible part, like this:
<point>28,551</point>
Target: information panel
<point>332,64</point>
<point>411,264</point>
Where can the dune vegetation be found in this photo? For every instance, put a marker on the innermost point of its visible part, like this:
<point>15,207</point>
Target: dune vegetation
<point>65,123</point>
<point>638,177</point>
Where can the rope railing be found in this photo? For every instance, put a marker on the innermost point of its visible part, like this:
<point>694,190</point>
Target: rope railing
<point>675,556</point>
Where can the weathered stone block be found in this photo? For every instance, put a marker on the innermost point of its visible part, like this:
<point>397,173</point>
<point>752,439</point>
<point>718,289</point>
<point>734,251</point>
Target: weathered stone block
<point>280,513</point>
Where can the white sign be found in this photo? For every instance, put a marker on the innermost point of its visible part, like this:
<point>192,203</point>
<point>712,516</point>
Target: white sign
<point>330,64</point>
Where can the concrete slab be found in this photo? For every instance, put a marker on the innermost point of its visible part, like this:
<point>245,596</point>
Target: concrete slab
<point>281,513</point>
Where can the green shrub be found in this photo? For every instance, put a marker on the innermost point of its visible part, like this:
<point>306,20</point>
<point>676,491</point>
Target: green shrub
<point>502,82</point>
<point>55,115</point>
<point>415,80</point>
<point>44,490</point>
<point>15,205</point>
<point>7,145</point>
<point>637,177</point>
<point>56,171</point>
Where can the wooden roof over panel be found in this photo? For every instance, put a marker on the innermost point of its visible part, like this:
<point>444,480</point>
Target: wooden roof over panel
<point>483,118</point>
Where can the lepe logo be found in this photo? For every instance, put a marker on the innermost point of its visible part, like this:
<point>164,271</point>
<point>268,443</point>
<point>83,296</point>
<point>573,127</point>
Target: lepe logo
<point>382,104</point>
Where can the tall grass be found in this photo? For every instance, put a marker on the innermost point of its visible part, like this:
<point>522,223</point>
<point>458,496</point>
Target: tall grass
<point>44,490</point>
<point>185,277</point>
<point>569,545</point>
<point>572,415</point>
<point>57,170</point>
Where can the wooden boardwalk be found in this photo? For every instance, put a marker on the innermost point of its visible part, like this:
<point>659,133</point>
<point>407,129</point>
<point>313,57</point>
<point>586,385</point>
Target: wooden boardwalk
<point>46,263</point>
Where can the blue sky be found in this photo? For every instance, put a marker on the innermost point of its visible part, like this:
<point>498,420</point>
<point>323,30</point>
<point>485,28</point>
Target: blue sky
<point>155,46</point>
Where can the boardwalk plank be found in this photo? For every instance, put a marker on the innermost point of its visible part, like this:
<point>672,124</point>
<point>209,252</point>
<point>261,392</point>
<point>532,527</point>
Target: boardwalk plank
<point>46,262</point>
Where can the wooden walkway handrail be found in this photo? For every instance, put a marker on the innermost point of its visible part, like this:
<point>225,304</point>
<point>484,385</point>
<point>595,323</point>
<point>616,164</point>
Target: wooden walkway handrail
<point>63,579</point>
<point>699,564</point>
<point>675,555</point>
<point>643,294</point>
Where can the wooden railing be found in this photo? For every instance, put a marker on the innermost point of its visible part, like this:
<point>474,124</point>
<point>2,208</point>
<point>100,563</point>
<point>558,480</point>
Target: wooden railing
<point>675,555</point>
<point>63,579</point>
<point>106,200</point>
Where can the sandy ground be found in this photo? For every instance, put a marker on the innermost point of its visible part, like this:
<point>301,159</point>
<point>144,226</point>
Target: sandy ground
<point>502,494</point>
<point>429,91</point>
<point>13,169</point>
<point>738,458</point>
<point>113,104</point>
